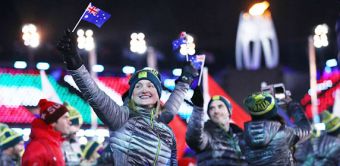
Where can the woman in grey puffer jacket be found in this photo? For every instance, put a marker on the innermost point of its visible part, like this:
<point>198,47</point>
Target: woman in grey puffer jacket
<point>267,141</point>
<point>138,135</point>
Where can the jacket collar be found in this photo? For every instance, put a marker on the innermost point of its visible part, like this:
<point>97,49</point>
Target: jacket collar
<point>41,130</point>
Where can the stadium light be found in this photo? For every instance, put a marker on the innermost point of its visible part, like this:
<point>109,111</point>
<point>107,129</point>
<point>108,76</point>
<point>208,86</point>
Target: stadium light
<point>97,68</point>
<point>188,48</point>
<point>43,66</point>
<point>138,43</point>
<point>30,35</point>
<point>331,63</point>
<point>177,72</point>
<point>85,39</point>
<point>128,69</point>
<point>320,36</point>
<point>20,64</point>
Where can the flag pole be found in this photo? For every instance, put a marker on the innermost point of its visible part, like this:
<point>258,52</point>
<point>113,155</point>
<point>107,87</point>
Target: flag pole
<point>81,17</point>
<point>201,73</point>
<point>313,82</point>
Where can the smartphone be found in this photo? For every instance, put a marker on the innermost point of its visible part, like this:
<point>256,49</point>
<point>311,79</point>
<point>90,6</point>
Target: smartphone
<point>279,91</point>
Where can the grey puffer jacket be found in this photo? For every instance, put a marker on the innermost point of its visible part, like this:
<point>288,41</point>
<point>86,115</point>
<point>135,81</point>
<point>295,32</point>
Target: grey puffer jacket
<point>319,151</point>
<point>136,137</point>
<point>213,144</point>
<point>269,142</point>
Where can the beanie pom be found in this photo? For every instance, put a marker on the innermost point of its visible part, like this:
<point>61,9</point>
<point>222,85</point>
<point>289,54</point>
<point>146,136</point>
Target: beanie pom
<point>43,104</point>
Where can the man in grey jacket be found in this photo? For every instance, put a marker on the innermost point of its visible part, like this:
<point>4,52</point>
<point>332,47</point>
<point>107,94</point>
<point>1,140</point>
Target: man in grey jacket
<point>215,142</point>
<point>137,136</point>
<point>266,139</point>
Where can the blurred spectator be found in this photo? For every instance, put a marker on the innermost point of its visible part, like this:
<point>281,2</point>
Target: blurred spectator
<point>106,157</point>
<point>44,148</point>
<point>71,145</point>
<point>267,140</point>
<point>12,146</point>
<point>90,153</point>
<point>323,149</point>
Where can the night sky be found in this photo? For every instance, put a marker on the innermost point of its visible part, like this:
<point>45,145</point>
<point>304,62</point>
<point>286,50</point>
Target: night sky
<point>213,23</point>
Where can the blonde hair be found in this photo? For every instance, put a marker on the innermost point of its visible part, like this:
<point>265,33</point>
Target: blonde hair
<point>132,106</point>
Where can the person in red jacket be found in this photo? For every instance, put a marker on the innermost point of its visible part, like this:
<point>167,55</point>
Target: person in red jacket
<point>44,148</point>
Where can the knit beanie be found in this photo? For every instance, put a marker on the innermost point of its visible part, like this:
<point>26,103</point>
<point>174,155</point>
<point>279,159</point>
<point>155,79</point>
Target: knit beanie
<point>74,115</point>
<point>3,126</point>
<point>261,105</point>
<point>50,112</point>
<point>224,100</point>
<point>331,122</point>
<point>146,74</point>
<point>8,138</point>
<point>90,148</point>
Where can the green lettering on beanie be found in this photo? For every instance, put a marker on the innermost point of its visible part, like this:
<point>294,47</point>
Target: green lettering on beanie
<point>216,98</point>
<point>142,74</point>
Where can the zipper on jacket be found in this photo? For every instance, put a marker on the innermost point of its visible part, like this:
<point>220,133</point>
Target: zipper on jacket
<point>158,150</point>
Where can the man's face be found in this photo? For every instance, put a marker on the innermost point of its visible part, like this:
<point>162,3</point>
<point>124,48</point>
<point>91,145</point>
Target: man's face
<point>145,94</point>
<point>219,112</point>
<point>74,129</point>
<point>19,149</point>
<point>63,124</point>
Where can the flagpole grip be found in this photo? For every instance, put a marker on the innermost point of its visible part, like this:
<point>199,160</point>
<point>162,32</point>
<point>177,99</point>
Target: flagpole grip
<point>81,17</point>
<point>201,73</point>
<point>200,78</point>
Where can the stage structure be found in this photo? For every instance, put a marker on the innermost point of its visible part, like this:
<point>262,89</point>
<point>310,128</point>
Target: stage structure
<point>256,35</point>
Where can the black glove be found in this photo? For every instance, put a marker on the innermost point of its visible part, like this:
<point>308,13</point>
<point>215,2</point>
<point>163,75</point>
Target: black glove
<point>283,103</point>
<point>188,73</point>
<point>197,98</point>
<point>68,47</point>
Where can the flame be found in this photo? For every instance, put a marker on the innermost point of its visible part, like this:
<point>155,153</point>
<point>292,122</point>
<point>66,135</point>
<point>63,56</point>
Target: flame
<point>258,8</point>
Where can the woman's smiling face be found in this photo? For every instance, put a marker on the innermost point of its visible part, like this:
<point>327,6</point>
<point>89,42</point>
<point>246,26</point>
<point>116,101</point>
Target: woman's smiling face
<point>145,94</point>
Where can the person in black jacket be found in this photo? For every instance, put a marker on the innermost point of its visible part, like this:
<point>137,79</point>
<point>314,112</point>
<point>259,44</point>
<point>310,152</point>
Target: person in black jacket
<point>266,139</point>
<point>215,142</point>
<point>323,149</point>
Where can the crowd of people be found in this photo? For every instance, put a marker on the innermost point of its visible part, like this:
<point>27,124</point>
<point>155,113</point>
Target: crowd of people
<point>140,135</point>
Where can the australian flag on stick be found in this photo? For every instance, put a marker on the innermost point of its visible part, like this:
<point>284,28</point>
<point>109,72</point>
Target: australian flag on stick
<point>197,61</point>
<point>95,15</point>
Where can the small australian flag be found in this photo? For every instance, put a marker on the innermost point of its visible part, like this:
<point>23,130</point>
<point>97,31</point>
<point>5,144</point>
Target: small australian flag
<point>96,16</point>
<point>197,61</point>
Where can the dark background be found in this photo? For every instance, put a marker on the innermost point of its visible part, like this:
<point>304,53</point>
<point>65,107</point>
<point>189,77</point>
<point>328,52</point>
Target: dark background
<point>213,23</point>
